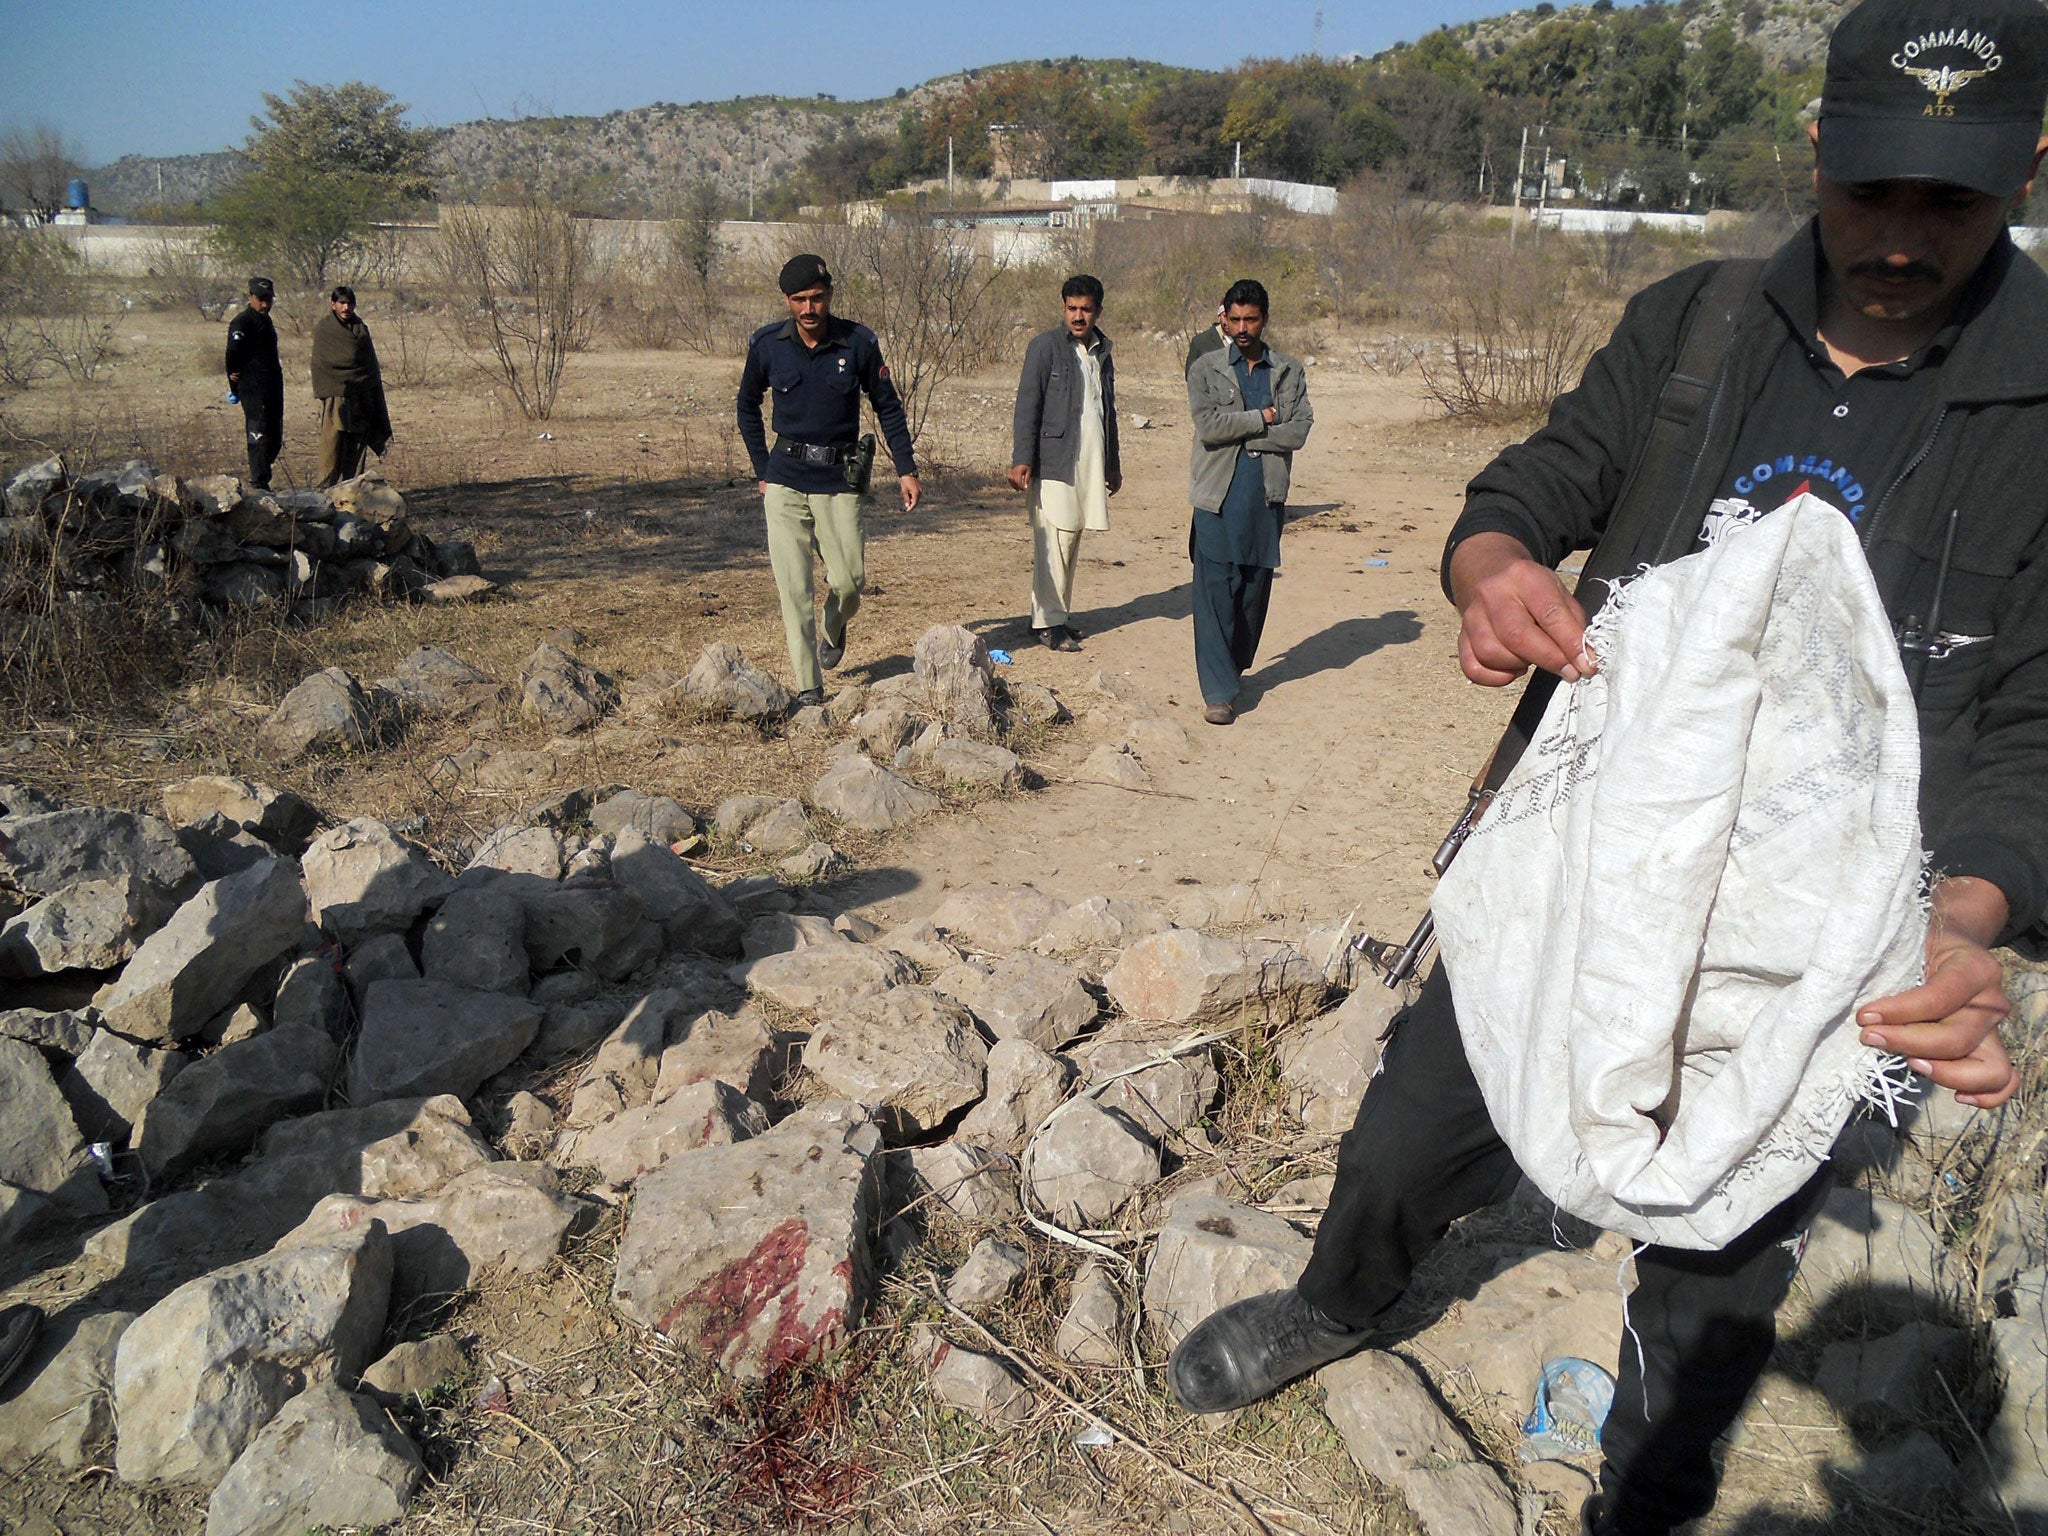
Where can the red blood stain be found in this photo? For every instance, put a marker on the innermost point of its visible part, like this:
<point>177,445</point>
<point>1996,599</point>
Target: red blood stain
<point>725,1308</point>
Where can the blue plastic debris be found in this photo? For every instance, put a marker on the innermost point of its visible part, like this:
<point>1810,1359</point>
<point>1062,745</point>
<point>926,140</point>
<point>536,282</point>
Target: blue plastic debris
<point>1375,562</point>
<point>1572,1401</point>
<point>1000,658</point>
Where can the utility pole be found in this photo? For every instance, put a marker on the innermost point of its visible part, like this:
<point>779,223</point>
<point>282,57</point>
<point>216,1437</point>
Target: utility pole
<point>750,194</point>
<point>949,170</point>
<point>1237,162</point>
<point>1521,170</point>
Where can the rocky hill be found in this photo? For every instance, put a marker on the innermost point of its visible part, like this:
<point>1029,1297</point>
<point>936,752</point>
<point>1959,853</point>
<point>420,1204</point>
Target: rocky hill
<point>1790,34</point>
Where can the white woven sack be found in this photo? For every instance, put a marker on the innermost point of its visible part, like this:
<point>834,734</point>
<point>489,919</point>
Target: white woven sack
<point>1706,860</point>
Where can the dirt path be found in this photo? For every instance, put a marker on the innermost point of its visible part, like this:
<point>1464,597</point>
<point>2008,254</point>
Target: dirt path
<point>1357,735</point>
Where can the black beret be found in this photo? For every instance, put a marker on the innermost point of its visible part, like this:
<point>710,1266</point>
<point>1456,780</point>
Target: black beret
<point>261,288</point>
<point>801,273</point>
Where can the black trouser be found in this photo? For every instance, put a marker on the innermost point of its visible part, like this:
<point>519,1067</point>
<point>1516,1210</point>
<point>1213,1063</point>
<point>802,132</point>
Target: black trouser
<point>263,415</point>
<point>1230,616</point>
<point>1424,1153</point>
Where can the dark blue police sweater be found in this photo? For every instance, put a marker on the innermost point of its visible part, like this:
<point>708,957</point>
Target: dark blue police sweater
<point>817,400</point>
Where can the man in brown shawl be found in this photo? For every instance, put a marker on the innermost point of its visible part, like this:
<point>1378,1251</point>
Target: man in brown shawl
<point>350,388</point>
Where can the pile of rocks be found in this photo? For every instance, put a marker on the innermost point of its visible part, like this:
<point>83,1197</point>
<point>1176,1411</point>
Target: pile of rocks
<point>213,541</point>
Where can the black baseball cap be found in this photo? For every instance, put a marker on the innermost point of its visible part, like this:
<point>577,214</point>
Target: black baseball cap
<point>800,274</point>
<point>261,288</point>
<point>1919,90</point>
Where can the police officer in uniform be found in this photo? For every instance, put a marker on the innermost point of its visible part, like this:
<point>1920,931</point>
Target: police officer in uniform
<point>257,380</point>
<point>818,366</point>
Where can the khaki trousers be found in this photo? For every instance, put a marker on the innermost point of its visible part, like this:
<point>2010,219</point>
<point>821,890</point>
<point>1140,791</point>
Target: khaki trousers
<point>798,524</point>
<point>341,453</point>
<point>1054,554</point>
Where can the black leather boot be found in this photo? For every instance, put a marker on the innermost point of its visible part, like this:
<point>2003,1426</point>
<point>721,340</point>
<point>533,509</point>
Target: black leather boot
<point>1253,1348</point>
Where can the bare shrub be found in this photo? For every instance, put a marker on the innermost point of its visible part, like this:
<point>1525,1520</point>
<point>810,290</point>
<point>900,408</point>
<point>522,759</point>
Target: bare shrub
<point>186,277</point>
<point>1371,251</point>
<point>1611,257</point>
<point>52,318</point>
<point>517,278</point>
<point>925,292</point>
<point>407,347</point>
<point>1517,336</point>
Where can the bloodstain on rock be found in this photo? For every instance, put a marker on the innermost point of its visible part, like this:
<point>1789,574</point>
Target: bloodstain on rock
<point>1217,1226</point>
<point>725,1308</point>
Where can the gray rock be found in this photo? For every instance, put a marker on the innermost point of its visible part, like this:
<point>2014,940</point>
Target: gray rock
<point>980,1386</point>
<point>382,957</point>
<point>27,490</point>
<point>421,1038</point>
<point>1099,923</point>
<point>572,1027</point>
<point>562,693</point>
<point>656,818</point>
<point>522,850</point>
<point>1159,735</point>
<point>67,1031</point>
<point>416,1367</point>
<point>1022,997</point>
<point>247,584</point>
<point>1025,1084</point>
<point>478,940</point>
<point>1085,1164</point>
<point>598,925</point>
<point>922,944</point>
<point>1036,704</point>
<point>1894,1373</point>
<point>1213,1252</point>
<point>231,1026</point>
<point>313,995</point>
<point>399,1148</point>
<point>222,1102</point>
<point>996,919</point>
<point>735,813</point>
<point>1162,1099</point>
<point>754,896</point>
<point>329,1459</point>
<point>723,683</point>
<point>363,878</point>
<point>199,1374</point>
<point>815,864</point>
<point>434,681</point>
<point>627,1066</point>
<point>2019,1436</point>
<point>823,978</point>
<point>981,764</point>
<point>1218,906</point>
<point>755,1256</point>
<point>739,1050</point>
<point>112,1080</point>
<point>776,933</point>
<point>503,1216</point>
<point>1860,1238</point>
<point>40,1148</point>
<point>1398,1436</point>
<point>278,816</point>
<point>691,913</point>
<point>992,1271</point>
<point>1092,1330</point>
<point>886,729</point>
<point>328,712</point>
<point>637,1141</point>
<point>864,794</point>
<point>44,851</point>
<point>91,926</point>
<point>60,1408</point>
<point>783,828</point>
<point>528,1126</point>
<point>220,848</point>
<point>967,1179</point>
<point>953,666</point>
<point>907,1052</point>
<point>1189,978</point>
<point>1115,763</point>
<point>1327,1063</point>
<point>23,800</point>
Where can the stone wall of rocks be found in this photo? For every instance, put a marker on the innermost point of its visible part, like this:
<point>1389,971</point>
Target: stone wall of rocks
<point>214,542</point>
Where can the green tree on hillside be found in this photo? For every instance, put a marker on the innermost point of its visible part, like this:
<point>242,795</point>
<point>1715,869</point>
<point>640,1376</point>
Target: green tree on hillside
<point>328,161</point>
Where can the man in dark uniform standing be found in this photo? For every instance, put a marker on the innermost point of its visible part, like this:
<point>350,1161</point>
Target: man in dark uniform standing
<point>818,367</point>
<point>257,379</point>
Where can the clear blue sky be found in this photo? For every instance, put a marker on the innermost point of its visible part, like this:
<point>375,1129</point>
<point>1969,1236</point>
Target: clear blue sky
<point>169,77</point>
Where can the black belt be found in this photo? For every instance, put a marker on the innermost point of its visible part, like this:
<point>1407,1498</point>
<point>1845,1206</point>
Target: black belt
<point>814,453</point>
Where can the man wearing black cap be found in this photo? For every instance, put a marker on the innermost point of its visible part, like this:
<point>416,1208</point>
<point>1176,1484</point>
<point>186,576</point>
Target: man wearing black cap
<point>257,380</point>
<point>818,366</point>
<point>1890,359</point>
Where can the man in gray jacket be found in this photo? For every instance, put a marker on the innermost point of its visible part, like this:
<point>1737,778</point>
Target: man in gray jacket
<point>1064,452</point>
<point>1249,406</point>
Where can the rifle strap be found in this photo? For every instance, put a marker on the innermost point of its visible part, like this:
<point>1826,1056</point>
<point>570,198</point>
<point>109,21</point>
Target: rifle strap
<point>1658,484</point>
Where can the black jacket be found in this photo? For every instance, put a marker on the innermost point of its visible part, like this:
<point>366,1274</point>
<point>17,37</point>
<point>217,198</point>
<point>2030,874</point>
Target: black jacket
<point>1980,446</point>
<point>817,400</point>
<point>1047,422</point>
<point>252,354</point>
